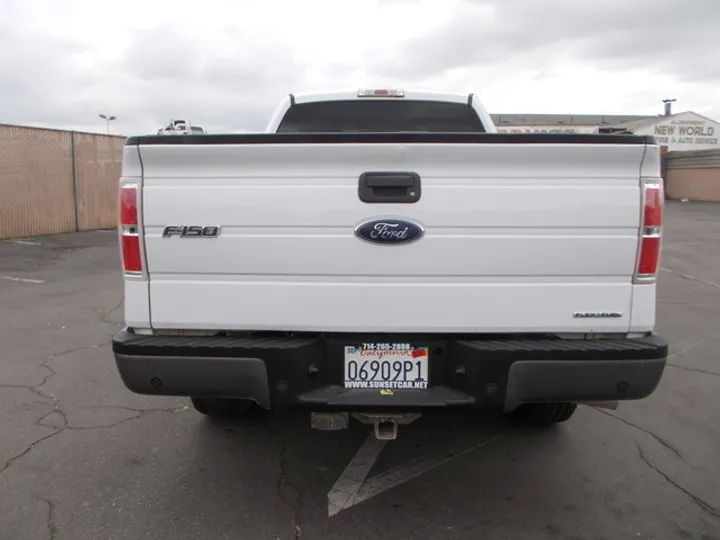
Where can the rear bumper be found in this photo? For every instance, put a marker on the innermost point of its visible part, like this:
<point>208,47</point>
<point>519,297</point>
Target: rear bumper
<point>280,372</point>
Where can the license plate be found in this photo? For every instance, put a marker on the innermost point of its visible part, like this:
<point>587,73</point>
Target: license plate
<point>386,366</point>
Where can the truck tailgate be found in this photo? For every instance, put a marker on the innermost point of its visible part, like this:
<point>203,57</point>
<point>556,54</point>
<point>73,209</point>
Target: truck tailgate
<point>518,237</point>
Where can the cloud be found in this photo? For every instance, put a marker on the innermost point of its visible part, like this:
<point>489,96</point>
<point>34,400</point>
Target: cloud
<point>218,82</point>
<point>28,73</point>
<point>668,36</point>
<point>226,64</point>
<point>166,71</point>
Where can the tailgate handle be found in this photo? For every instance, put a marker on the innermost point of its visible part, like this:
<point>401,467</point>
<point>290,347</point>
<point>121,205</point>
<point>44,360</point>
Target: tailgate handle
<point>389,187</point>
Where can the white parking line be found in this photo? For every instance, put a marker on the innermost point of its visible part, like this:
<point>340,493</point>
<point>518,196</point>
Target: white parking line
<point>22,280</point>
<point>25,243</point>
<point>414,468</point>
<point>353,486</point>
<point>343,493</point>
<point>691,277</point>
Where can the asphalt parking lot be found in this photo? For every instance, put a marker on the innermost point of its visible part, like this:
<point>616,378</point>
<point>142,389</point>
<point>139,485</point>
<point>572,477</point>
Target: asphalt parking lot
<point>83,458</point>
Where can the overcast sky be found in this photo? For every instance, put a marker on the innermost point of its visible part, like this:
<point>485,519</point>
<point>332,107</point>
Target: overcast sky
<point>226,64</point>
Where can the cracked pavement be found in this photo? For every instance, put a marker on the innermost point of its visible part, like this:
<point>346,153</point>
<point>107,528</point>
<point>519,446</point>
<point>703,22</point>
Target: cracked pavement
<point>83,458</point>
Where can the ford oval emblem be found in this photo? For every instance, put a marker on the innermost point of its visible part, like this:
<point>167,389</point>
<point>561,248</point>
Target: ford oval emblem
<point>389,231</point>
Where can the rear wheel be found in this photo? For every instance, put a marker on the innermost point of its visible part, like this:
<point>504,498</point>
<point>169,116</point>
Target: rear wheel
<point>544,414</point>
<point>221,407</point>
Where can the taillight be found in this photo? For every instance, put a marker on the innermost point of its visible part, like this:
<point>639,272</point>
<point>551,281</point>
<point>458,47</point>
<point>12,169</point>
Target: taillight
<point>648,260</point>
<point>130,230</point>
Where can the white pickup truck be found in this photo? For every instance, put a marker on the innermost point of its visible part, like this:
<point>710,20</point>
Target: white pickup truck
<point>381,253</point>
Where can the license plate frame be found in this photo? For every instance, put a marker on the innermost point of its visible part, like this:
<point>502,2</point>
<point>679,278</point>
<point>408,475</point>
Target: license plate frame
<point>386,366</point>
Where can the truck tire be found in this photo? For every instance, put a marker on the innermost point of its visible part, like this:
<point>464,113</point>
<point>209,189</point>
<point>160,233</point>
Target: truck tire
<point>222,408</point>
<point>545,414</point>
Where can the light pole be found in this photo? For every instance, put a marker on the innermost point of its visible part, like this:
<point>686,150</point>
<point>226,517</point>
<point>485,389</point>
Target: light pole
<point>107,119</point>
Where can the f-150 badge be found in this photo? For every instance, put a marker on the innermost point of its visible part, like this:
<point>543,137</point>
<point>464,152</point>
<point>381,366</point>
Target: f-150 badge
<point>389,231</point>
<point>191,231</point>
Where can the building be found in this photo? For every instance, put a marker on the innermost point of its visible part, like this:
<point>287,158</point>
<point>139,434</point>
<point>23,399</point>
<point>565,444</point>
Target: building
<point>560,123</point>
<point>677,132</point>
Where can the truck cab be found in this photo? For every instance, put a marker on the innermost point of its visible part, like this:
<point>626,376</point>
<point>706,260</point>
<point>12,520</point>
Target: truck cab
<point>380,110</point>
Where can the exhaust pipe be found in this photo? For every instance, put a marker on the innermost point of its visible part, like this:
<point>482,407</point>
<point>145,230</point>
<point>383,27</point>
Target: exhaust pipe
<point>386,429</point>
